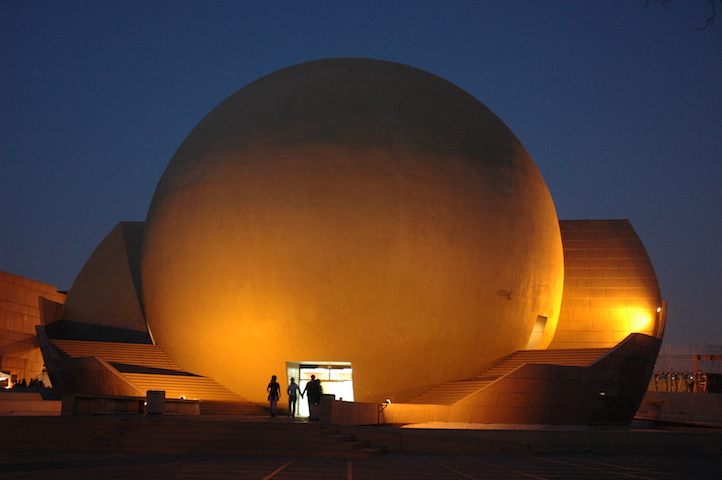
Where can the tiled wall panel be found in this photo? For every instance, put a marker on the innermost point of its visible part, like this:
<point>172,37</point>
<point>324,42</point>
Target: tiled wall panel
<point>610,289</point>
<point>19,314</point>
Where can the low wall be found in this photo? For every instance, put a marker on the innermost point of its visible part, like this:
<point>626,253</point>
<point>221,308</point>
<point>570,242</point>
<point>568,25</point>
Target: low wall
<point>353,413</point>
<point>685,406</point>
<point>359,413</point>
<point>74,404</point>
<point>27,403</point>
<point>591,440</point>
<point>404,413</point>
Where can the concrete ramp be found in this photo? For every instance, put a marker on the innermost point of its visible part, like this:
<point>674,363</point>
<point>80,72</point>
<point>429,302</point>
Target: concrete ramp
<point>452,392</point>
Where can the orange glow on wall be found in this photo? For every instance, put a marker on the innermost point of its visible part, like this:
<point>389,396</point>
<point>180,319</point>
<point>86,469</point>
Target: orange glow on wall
<point>350,210</point>
<point>610,288</point>
<point>641,321</point>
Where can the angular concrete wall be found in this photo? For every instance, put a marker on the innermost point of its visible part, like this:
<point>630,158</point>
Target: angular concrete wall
<point>24,303</point>
<point>107,289</point>
<point>608,392</point>
<point>88,375</point>
<point>610,288</point>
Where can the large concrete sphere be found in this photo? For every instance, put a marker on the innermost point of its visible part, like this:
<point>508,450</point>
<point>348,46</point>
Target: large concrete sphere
<point>350,210</point>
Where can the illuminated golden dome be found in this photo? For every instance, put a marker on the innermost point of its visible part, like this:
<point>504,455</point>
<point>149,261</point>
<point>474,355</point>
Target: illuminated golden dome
<point>350,210</point>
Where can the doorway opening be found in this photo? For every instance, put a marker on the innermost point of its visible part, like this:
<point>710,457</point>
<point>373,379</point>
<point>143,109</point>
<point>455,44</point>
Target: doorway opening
<point>537,333</point>
<point>336,379</point>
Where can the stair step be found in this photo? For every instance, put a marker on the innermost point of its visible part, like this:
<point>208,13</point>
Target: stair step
<point>220,407</point>
<point>148,367</point>
<point>181,435</point>
<point>452,392</point>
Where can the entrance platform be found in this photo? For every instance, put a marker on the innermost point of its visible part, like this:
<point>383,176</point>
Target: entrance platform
<point>392,466</point>
<point>253,447</point>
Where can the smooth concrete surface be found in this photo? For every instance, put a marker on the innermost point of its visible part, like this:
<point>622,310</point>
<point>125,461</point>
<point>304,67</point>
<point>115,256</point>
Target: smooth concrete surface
<point>608,391</point>
<point>27,403</point>
<point>350,210</point>
<point>107,289</point>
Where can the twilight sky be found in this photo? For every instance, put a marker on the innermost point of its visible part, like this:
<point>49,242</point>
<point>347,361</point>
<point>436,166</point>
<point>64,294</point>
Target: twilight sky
<point>619,105</point>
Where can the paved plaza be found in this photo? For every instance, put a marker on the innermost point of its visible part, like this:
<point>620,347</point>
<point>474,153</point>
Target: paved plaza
<point>392,466</point>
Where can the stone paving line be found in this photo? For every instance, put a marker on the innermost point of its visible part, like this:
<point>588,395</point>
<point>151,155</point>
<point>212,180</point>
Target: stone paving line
<point>392,466</point>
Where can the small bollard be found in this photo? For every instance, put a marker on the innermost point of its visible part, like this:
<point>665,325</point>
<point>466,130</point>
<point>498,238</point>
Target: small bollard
<point>154,401</point>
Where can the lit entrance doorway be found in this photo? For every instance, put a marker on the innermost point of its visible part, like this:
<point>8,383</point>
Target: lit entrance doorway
<point>336,379</point>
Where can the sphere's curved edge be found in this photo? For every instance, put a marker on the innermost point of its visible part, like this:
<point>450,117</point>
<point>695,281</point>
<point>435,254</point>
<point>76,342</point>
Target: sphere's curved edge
<point>351,211</point>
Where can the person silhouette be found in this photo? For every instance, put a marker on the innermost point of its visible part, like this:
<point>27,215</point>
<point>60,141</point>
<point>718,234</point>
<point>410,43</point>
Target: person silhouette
<point>293,392</point>
<point>313,390</point>
<point>274,393</point>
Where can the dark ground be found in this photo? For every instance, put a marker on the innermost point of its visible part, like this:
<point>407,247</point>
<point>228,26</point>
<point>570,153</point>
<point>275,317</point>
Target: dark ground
<point>137,466</point>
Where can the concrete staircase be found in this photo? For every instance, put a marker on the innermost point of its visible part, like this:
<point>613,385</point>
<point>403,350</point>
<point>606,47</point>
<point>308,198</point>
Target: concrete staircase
<point>148,367</point>
<point>451,392</point>
<point>181,435</point>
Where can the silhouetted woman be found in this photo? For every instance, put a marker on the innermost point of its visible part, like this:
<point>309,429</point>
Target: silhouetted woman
<point>274,393</point>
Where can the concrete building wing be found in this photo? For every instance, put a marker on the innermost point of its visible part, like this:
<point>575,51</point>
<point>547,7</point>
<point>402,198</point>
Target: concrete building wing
<point>25,303</point>
<point>372,223</point>
<point>610,288</point>
<point>106,292</point>
<point>550,386</point>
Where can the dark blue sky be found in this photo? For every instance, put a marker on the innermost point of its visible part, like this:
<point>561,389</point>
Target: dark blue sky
<point>619,105</point>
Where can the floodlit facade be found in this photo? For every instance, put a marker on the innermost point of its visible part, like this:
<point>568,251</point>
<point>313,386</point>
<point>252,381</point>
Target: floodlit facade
<point>23,305</point>
<point>350,211</point>
<point>375,225</point>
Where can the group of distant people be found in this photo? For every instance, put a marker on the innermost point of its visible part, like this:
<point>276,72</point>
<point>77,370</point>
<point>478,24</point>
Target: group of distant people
<point>681,382</point>
<point>312,390</point>
<point>34,383</point>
